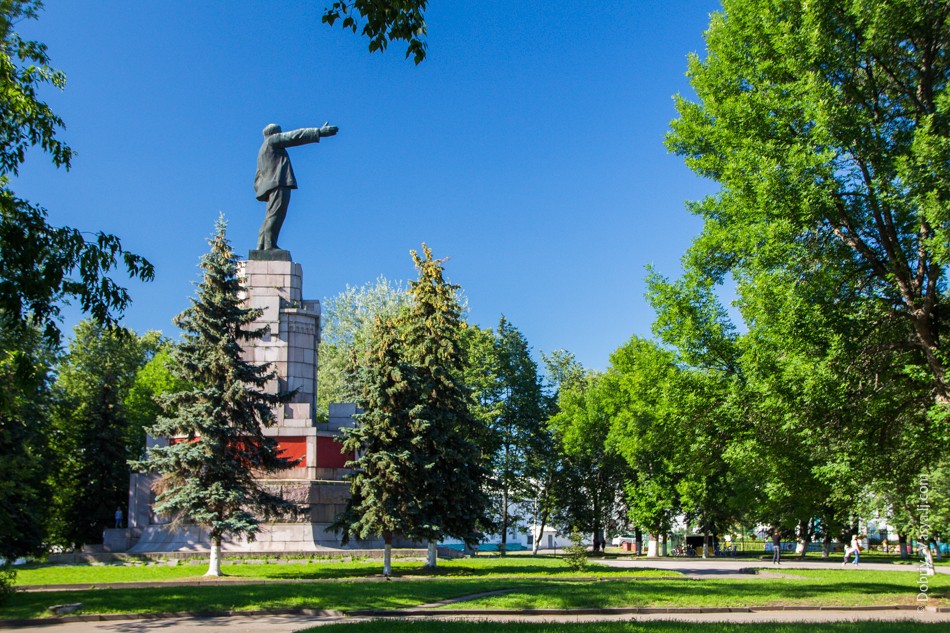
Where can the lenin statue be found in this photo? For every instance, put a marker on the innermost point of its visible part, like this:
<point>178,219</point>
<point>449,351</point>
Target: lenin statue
<point>275,177</point>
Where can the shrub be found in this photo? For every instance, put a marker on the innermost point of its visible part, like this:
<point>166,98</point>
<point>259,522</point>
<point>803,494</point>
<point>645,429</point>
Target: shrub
<point>7,577</point>
<point>576,553</point>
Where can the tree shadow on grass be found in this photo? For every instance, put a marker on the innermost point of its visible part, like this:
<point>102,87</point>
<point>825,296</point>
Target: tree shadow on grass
<point>178,599</point>
<point>701,593</point>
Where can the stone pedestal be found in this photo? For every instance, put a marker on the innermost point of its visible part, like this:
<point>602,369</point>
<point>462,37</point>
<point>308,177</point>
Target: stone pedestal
<point>276,288</point>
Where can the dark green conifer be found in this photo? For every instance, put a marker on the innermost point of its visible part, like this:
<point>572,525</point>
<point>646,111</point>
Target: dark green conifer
<point>420,471</point>
<point>451,475</point>
<point>209,472</point>
<point>382,493</point>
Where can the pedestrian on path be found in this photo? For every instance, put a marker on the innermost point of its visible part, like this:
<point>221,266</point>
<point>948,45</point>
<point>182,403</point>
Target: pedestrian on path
<point>777,547</point>
<point>853,548</point>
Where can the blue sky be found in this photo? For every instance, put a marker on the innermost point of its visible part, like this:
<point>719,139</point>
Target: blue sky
<point>527,148</point>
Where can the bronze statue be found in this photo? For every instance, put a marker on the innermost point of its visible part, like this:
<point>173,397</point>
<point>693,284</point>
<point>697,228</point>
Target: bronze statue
<point>275,177</point>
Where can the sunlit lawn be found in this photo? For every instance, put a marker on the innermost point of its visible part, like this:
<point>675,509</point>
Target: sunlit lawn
<point>319,569</point>
<point>833,587</point>
<point>341,595</point>
<point>542,583</point>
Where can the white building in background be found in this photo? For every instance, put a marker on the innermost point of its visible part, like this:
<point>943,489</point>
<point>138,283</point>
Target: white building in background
<point>522,537</point>
<point>550,538</point>
<point>520,540</point>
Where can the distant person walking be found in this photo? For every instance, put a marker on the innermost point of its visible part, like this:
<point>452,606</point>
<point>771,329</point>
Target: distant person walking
<point>853,548</point>
<point>777,547</point>
<point>118,517</point>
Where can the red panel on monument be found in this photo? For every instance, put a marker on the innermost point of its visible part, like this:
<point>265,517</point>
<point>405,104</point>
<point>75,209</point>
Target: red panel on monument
<point>293,448</point>
<point>329,453</point>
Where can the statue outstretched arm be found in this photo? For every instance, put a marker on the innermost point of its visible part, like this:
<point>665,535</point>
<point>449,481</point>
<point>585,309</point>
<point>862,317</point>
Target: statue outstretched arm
<point>302,136</point>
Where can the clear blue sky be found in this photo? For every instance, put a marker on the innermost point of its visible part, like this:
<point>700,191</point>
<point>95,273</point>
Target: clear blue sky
<point>528,148</point>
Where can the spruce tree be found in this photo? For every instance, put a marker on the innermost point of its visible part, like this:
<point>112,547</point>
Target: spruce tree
<point>419,473</point>
<point>381,489</point>
<point>217,450</point>
<point>447,460</point>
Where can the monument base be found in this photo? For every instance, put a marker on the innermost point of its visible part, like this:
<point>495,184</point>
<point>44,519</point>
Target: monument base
<point>273,538</point>
<point>269,255</point>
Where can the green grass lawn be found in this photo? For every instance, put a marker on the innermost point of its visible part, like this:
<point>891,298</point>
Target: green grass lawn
<point>843,587</point>
<point>343,595</point>
<point>517,567</point>
<point>532,584</point>
<point>391,626</point>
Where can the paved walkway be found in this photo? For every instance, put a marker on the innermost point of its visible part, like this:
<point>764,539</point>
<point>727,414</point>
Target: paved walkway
<point>292,623</point>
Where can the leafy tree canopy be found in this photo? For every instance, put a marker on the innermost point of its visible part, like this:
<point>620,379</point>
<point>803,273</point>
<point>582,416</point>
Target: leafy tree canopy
<point>826,123</point>
<point>42,265</point>
<point>383,22</point>
<point>93,436</point>
<point>347,322</point>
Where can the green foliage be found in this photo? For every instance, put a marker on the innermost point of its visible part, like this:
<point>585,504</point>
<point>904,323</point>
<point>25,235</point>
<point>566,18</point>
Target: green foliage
<point>575,554</point>
<point>209,471</point>
<point>589,496</point>
<point>938,482</point>
<point>7,579</point>
<point>646,432</point>
<point>448,454</point>
<point>141,405</point>
<point>385,21</point>
<point>347,327</point>
<point>41,267</point>
<point>25,368</point>
<point>383,489</point>
<point>512,406</point>
<point>93,436</point>
<point>825,124</point>
<point>419,472</point>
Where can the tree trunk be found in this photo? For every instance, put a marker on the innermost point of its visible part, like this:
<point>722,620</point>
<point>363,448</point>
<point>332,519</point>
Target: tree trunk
<point>540,533</point>
<point>638,534</point>
<point>705,535</point>
<point>826,546</point>
<point>804,538</point>
<point>214,564</point>
<point>902,544</point>
<point>432,560</point>
<point>504,523</point>
<point>933,541</point>
<point>388,554</point>
<point>928,558</point>
<point>596,520</point>
<point>664,545</point>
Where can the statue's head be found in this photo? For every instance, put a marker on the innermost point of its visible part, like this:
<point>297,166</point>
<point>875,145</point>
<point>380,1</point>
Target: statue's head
<point>271,128</point>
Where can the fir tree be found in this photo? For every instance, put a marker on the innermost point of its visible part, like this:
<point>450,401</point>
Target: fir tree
<point>209,470</point>
<point>382,493</point>
<point>447,460</point>
<point>419,473</point>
